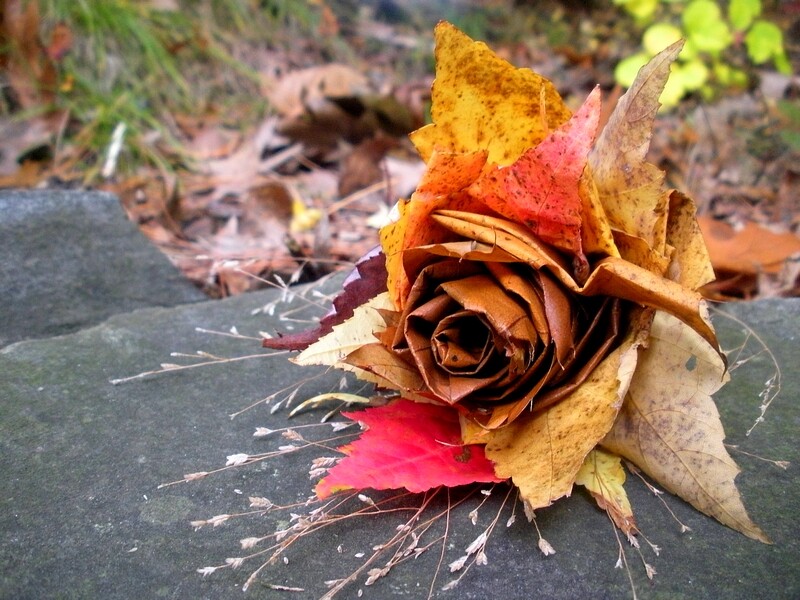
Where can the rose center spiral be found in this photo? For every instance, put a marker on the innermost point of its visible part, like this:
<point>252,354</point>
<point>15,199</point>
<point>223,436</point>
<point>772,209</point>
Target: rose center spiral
<point>462,343</point>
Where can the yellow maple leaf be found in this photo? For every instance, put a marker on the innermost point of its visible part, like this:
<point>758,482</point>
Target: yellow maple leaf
<point>670,427</point>
<point>481,102</point>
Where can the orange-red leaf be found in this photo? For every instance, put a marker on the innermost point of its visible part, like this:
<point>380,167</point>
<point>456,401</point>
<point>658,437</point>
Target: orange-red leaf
<point>407,445</point>
<point>442,186</point>
<point>541,189</point>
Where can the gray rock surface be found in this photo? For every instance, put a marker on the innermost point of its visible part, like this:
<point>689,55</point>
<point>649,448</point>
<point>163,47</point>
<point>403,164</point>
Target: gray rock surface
<point>72,259</point>
<point>82,515</point>
<point>81,459</point>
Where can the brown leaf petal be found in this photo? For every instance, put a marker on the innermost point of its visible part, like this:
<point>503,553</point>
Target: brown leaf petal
<point>670,428</point>
<point>523,289</point>
<point>390,370</point>
<point>616,277</point>
<point>611,277</point>
<point>510,237</point>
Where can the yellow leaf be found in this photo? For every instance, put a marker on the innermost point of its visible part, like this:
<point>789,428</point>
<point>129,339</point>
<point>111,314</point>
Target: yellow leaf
<point>357,331</point>
<point>631,190</point>
<point>303,217</point>
<point>602,474</point>
<point>348,342</point>
<point>670,428</point>
<point>635,250</point>
<point>691,264</point>
<point>480,101</point>
<point>543,452</point>
<point>596,234</point>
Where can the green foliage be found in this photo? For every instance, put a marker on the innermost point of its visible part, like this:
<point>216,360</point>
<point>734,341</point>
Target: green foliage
<point>136,64</point>
<point>640,9</point>
<point>713,36</point>
<point>742,13</point>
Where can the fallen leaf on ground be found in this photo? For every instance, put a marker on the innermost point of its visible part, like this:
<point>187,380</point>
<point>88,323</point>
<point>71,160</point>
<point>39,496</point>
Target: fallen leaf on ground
<point>750,250</point>
<point>29,70</point>
<point>293,93</point>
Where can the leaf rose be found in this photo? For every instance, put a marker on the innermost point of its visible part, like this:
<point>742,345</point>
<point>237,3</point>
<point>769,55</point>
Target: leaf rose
<point>493,337</point>
<point>509,281</point>
<point>519,262</point>
<point>542,283</point>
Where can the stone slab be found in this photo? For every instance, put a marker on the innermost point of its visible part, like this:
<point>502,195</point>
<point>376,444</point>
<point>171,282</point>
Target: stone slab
<point>71,259</point>
<point>81,515</point>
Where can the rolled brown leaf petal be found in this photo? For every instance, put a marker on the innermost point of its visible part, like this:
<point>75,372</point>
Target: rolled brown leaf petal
<point>611,276</point>
<point>489,336</point>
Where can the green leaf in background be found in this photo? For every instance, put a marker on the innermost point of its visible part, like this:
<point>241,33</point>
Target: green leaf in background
<point>674,89</point>
<point>764,41</point>
<point>694,75</point>
<point>728,75</point>
<point>742,13</point>
<point>789,111</point>
<point>707,61</point>
<point>659,36</point>
<point>704,25</point>
<point>640,9</point>
<point>627,68</point>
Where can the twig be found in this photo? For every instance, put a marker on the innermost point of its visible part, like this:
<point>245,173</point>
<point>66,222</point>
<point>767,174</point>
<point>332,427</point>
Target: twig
<point>171,368</point>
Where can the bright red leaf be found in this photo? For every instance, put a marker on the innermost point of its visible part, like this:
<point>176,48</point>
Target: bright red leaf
<point>407,445</point>
<point>540,190</point>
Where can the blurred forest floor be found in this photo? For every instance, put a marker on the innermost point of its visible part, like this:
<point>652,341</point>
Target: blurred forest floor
<point>260,141</point>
